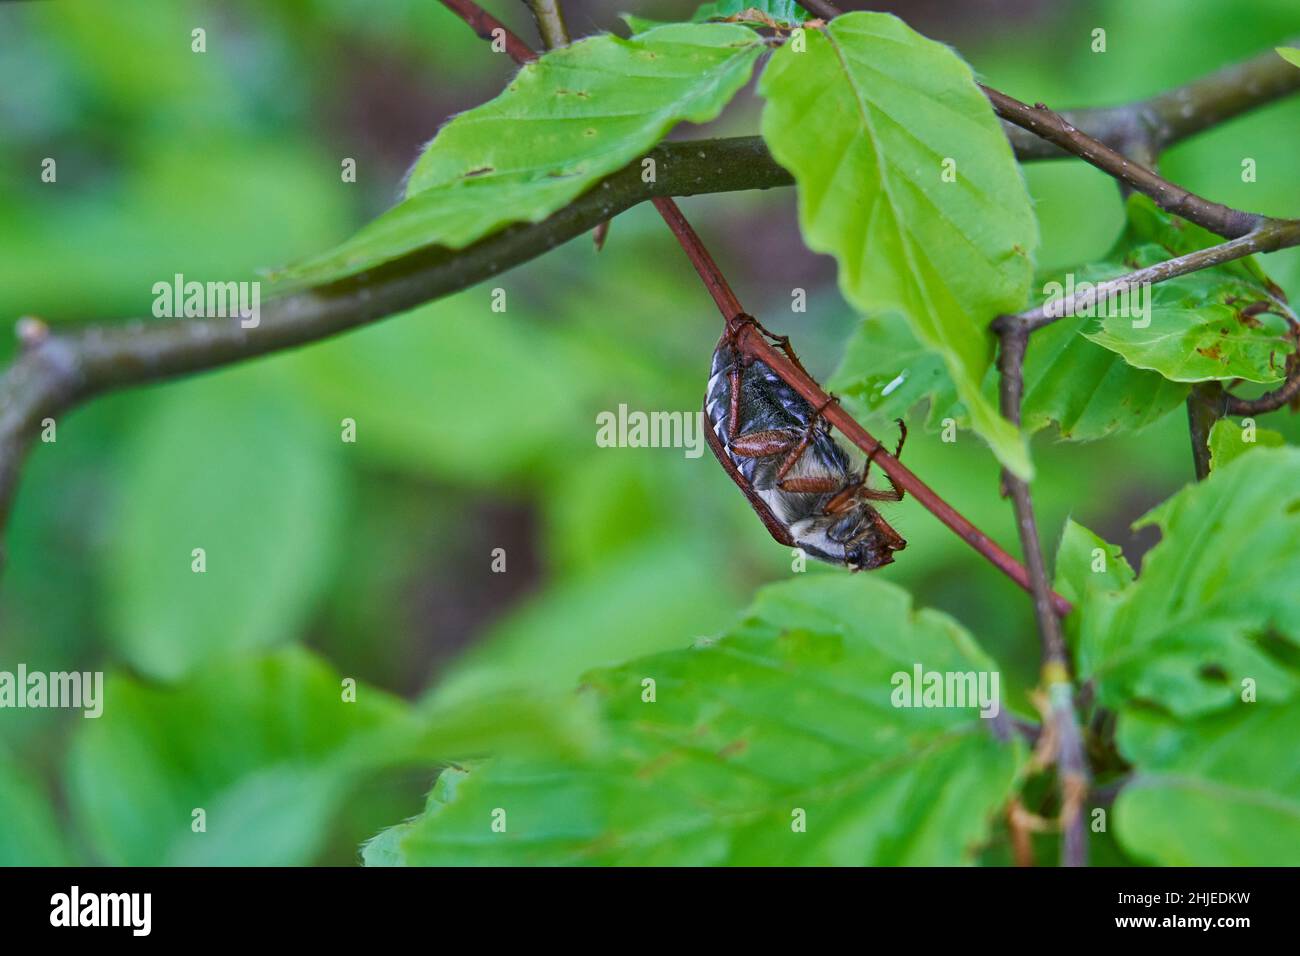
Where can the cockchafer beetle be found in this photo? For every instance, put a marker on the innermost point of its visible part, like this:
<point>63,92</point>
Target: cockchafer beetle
<point>780,452</point>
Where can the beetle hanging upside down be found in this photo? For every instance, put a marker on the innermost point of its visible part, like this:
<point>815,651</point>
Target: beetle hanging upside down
<point>780,452</point>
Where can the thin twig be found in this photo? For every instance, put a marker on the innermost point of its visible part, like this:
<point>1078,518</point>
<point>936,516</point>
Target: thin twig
<point>1011,359</point>
<point>1062,722</point>
<point>1274,234</point>
<point>1218,218</point>
<point>487,27</point>
<point>1143,129</point>
<point>550,23</point>
<point>1284,394</point>
<point>1210,100</point>
<point>723,296</point>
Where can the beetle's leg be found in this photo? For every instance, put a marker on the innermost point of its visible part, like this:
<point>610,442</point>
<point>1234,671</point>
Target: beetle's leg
<point>800,448</point>
<point>897,494</point>
<point>843,501</point>
<point>735,323</point>
<point>775,527</point>
<point>898,449</point>
<point>733,414</point>
<point>823,485</point>
<point>859,490</point>
<point>765,444</point>
<point>740,362</point>
<point>879,494</point>
<point>776,441</point>
<point>902,436</point>
<point>783,343</point>
<point>769,444</point>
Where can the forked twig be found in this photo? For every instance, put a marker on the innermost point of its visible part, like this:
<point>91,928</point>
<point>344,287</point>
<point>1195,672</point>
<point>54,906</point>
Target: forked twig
<point>1273,234</point>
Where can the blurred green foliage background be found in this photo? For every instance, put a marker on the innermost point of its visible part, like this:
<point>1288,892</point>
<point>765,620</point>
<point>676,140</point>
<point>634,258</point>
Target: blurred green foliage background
<point>475,430</point>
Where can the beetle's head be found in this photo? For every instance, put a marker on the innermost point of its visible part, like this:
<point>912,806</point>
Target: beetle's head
<point>874,545</point>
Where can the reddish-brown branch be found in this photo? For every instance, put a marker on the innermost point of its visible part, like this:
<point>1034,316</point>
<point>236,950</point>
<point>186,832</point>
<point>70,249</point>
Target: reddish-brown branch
<point>484,24</point>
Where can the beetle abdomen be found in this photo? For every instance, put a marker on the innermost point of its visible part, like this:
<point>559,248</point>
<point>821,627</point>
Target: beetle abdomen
<point>769,449</point>
<point>767,403</point>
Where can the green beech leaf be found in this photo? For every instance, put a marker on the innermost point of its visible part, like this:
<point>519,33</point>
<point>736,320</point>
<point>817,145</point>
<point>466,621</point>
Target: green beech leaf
<point>1215,602</point>
<point>611,100</point>
<point>1229,440</point>
<point>1088,391</point>
<point>1087,564</point>
<point>385,849</point>
<point>1207,787</point>
<point>266,746</point>
<point>1201,327</point>
<point>240,468</point>
<point>1290,54</point>
<point>564,123</point>
<point>1090,574</point>
<point>786,720</point>
<point>867,119</point>
<point>1218,791</point>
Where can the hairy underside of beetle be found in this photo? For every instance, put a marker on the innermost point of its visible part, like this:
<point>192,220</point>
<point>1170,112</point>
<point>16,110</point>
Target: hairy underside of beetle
<point>797,476</point>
